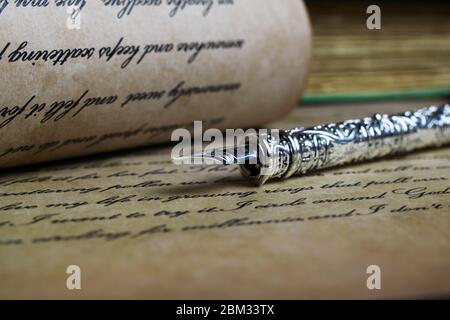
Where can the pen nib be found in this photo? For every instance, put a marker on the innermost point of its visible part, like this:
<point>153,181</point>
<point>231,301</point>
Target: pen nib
<point>224,156</point>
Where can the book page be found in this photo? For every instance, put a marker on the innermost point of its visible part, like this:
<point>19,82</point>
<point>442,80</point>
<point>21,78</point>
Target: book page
<point>138,226</point>
<point>405,57</point>
<point>106,75</point>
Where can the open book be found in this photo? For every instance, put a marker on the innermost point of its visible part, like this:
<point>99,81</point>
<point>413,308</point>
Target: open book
<point>409,57</point>
<point>139,226</point>
<point>134,225</point>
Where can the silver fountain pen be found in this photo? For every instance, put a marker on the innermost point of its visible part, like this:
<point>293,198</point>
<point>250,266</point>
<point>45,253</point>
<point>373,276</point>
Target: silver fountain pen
<point>301,150</point>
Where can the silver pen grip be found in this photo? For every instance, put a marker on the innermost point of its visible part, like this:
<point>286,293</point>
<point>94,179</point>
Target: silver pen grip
<point>299,151</point>
<point>369,138</point>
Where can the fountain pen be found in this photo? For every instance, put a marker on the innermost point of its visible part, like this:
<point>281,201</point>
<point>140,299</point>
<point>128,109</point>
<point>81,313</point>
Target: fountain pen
<point>281,154</point>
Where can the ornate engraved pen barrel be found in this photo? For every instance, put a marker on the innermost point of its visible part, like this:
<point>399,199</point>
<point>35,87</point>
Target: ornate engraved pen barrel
<point>299,151</point>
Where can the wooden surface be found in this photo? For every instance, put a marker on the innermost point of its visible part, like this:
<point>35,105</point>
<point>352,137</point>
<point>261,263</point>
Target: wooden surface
<point>411,51</point>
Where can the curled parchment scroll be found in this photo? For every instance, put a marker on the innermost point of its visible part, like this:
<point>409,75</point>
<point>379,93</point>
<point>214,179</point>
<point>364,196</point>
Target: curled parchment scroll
<point>105,75</point>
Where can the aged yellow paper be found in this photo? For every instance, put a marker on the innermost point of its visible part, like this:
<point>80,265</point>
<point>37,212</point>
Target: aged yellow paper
<point>140,227</point>
<point>127,73</point>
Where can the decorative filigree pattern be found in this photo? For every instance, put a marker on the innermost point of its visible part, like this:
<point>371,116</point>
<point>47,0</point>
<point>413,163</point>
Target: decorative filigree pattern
<point>369,138</point>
